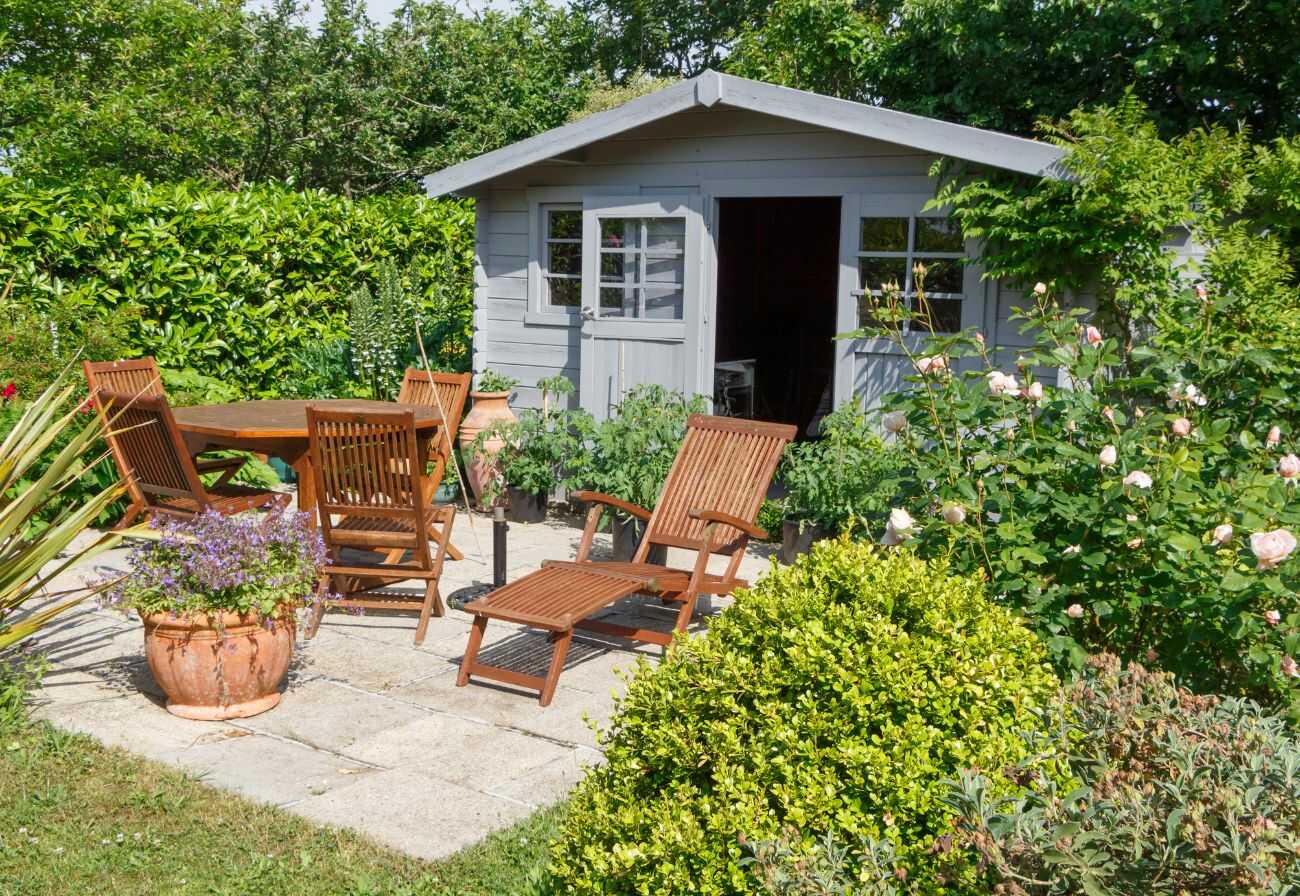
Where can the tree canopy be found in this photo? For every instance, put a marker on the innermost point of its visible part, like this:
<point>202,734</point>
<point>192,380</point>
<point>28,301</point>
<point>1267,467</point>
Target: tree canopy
<point>174,89</point>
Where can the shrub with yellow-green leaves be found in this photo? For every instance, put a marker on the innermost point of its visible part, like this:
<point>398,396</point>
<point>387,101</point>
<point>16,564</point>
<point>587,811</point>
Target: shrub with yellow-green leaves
<point>836,695</point>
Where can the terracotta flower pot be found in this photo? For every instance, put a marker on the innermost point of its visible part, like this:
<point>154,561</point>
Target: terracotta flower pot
<point>223,666</point>
<point>489,408</point>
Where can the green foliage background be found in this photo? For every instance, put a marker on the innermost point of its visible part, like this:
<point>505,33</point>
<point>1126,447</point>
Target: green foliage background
<point>231,284</point>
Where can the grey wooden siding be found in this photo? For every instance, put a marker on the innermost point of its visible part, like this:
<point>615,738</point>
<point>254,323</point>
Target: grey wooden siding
<point>683,153</point>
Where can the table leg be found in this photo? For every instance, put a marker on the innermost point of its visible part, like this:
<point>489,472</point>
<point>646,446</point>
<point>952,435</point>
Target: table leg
<point>306,485</point>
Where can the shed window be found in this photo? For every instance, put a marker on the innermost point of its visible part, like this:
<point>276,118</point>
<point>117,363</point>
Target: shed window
<point>889,250</point>
<point>562,256</point>
<point>642,267</point>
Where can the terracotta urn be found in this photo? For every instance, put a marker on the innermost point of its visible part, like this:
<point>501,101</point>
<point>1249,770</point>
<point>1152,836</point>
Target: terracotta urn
<point>218,666</point>
<point>489,408</point>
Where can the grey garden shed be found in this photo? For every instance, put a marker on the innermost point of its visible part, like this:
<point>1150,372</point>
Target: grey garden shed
<point>714,237</point>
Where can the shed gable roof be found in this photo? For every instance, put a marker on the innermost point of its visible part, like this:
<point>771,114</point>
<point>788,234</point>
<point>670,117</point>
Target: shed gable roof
<point>713,89</point>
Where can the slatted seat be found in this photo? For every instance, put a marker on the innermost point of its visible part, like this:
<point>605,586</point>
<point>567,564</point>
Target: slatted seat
<point>371,495</point>
<point>709,503</point>
<point>160,475</point>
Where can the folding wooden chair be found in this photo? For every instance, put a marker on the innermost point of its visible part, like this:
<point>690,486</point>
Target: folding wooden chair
<point>709,504</point>
<point>160,475</point>
<point>138,376</point>
<point>447,393</point>
<point>371,500</point>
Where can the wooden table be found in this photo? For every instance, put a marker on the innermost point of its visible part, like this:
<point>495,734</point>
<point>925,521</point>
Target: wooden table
<point>279,428</point>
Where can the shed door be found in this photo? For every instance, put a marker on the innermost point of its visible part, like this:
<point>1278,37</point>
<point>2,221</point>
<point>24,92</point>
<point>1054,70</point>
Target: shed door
<point>641,287</point>
<point>882,239</point>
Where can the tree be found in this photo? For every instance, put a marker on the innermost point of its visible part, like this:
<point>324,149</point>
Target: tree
<point>175,89</point>
<point>1003,64</point>
<point>676,38</point>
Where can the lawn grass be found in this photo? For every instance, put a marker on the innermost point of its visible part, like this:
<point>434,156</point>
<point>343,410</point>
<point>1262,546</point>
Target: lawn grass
<point>77,817</point>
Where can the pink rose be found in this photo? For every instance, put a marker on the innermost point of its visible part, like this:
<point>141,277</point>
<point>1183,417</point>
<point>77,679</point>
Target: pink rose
<point>1272,617</point>
<point>1274,437</point>
<point>1135,542</point>
<point>1108,456</point>
<point>1201,291</point>
<point>931,364</point>
<point>1074,611</point>
<point>1003,384</point>
<point>1138,479</point>
<point>1289,466</point>
<point>1222,533</point>
<point>1182,427</point>
<point>898,528</point>
<point>1092,335</point>
<point>1289,668</point>
<point>1109,413</point>
<point>954,514</point>
<point>1034,391</point>
<point>979,337</point>
<point>1271,548</point>
<point>894,421</point>
<point>1040,289</point>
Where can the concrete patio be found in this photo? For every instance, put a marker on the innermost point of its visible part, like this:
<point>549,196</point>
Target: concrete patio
<point>373,733</point>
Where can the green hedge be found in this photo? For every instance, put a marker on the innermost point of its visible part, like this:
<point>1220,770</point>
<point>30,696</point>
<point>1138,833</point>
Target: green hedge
<point>231,284</point>
<point>837,695</point>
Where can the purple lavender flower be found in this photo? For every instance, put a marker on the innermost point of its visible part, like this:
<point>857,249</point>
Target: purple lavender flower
<point>265,564</point>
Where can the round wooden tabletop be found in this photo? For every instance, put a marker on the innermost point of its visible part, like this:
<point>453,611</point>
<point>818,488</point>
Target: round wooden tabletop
<point>282,419</point>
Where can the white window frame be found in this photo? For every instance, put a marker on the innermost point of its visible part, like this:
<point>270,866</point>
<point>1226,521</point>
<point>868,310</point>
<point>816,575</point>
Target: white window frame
<point>545,275</point>
<point>642,252</point>
<point>910,258</point>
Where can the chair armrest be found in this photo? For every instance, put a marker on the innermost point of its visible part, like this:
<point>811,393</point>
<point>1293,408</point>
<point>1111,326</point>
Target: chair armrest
<point>618,504</point>
<point>726,519</point>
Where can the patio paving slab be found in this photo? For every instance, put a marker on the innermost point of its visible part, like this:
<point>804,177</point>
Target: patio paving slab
<point>372,732</point>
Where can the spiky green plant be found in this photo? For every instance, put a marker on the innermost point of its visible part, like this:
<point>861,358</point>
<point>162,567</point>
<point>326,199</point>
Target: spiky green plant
<point>32,551</point>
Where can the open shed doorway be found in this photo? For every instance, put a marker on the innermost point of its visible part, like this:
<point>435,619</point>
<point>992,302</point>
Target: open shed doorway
<point>778,274</point>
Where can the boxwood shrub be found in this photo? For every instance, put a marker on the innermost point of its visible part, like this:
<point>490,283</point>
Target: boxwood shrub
<point>836,695</point>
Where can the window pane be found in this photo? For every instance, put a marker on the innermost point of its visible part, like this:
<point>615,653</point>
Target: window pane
<point>873,272</point>
<point>620,233</point>
<point>565,224</point>
<point>664,270</point>
<point>618,266</point>
<point>617,301</point>
<point>564,258</point>
<point>884,235</point>
<point>945,314</point>
<point>663,303</point>
<point>942,274</point>
<point>666,234</point>
<point>938,235</point>
<point>564,293</point>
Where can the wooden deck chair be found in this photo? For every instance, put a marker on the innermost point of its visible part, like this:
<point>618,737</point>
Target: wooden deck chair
<point>370,502</point>
<point>141,376</point>
<point>447,393</point>
<point>160,475</point>
<point>709,504</point>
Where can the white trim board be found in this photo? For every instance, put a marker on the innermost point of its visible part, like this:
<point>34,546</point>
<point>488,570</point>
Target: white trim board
<point>715,90</point>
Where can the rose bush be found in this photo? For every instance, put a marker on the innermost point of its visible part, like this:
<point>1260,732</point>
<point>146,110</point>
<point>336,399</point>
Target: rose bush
<point>1140,502</point>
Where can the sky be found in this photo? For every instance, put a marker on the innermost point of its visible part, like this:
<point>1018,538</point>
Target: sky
<point>381,11</point>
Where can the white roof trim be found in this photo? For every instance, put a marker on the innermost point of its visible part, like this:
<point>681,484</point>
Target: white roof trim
<point>712,90</point>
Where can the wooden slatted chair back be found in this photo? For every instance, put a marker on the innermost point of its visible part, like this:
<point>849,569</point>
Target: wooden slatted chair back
<point>149,449</point>
<point>362,462</point>
<point>452,390</point>
<point>725,464</point>
<point>138,376</point>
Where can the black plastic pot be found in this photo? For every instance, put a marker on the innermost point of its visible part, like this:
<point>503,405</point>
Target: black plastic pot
<point>795,542</point>
<point>525,507</point>
<point>627,534</point>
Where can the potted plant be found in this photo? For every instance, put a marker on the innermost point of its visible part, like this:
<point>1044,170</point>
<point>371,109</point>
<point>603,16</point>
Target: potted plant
<point>537,452</point>
<point>632,452</point>
<point>218,595</point>
<point>846,475</point>
<point>491,405</point>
